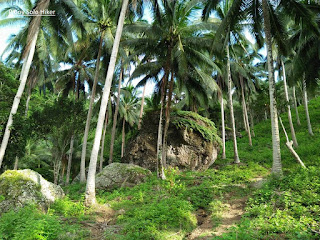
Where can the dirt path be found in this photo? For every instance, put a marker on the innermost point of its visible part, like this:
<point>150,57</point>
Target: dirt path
<point>98,225</point>
<point>234,208</point>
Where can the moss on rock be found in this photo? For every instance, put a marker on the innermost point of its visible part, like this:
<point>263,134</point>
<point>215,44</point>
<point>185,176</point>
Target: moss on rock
<point>194,122</point>
<point>23,187</point>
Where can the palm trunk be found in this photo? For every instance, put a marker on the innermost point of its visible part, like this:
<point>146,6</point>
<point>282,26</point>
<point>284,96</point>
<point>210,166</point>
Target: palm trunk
<point>141,109</point>
<point>103,140</point>
<point>289,146</point>
<point>70,160</point>
<point>32,36</point>
<point>223,131</point>
<point>115,117</point>
<point>23,79</point>
<point>27,103</point>
<point>244,119</point>
<point>244,106</point>
<point>276,165</point>
<point>293,134</point>
<point>159,145</point>
<point>90,196</point>
<point>233,125</point>
<point>252,123</point>
<point>78,86</point>
<point>16,162</point>
<point>305,102</point>
<point>89,116</point>
<point>159,141</point>
<point>295,105</point>
<point>167,122</point>
<point>123,137</point>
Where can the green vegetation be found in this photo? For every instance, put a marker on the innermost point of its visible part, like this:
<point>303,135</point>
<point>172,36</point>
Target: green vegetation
<point>280,209</point>
<point>30,223</point>
<point>194,122</point>
<point>162,209</point>
<point>211,72</point>
<point>286,208</point>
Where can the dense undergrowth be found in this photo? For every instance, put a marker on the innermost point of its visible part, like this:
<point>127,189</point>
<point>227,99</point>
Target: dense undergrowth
<point>286,208</point>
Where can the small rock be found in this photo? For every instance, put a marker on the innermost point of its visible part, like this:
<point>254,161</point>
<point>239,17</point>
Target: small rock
<point>121,175</point>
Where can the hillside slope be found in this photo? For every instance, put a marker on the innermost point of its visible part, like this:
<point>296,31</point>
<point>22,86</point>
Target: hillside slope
<point>287,208</point>
<point>219,203</point>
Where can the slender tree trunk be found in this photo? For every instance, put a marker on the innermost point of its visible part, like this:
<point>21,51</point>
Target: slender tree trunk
<point>16,162</point>
<point>103,140</point>
<point>78,86</point>
<point>223,131</point>
<point>115,117</point>
<point>31,45</point>
<point>56,171</point>
<point>27,103</point>
<point>90,196</point>
<point>295,105</point>
<point>305,102</point>
<point>244,119</point>
<point>70,160</point>
<point>142,105</point>
<point>123,137</point>
<point>289,145</point>
<point>89,116</point>
<point>251,120</point>
<point>167,122</point>
<point>276,165</point>
<point>252,125</point>
<point>233,125</point>
<point>293,134</point>
<point>265,115</point>
<point>159,145</point>
<point>244,106</point>
<point>159,141</point>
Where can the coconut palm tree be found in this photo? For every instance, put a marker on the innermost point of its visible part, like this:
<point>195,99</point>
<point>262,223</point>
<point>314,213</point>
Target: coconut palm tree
<point>142,105</point>
<point>102,19</point>
<point>115,116</point>
<point>28,53</point>
<point>293,134</point>
<point>129,111</point>
<point>171,56</point>
<point>258,13</point>
<point>64,11</point>
<point>42,64</point>
<point>223,9</point>
<point>234,136</point>
<point>90,198</point>
<point>306,57</point>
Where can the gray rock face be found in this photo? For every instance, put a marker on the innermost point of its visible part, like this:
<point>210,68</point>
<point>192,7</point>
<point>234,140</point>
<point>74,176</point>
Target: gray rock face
<point>121,175</point>
<point>187,149</point>
<point>21,187</point>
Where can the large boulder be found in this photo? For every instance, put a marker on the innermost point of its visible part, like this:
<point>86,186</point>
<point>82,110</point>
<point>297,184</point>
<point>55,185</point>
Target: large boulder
<point>193,142</point>
<point>21,187</point>
<point>121,175</point>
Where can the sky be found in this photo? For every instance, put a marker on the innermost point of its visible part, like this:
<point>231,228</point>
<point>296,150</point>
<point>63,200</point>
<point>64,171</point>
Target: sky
<point>5,33</point>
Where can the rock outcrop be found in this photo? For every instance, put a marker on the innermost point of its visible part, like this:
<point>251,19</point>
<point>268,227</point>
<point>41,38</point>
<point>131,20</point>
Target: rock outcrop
<point>121,175</point>
<point>193,142</point>
<point>21,187</point>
